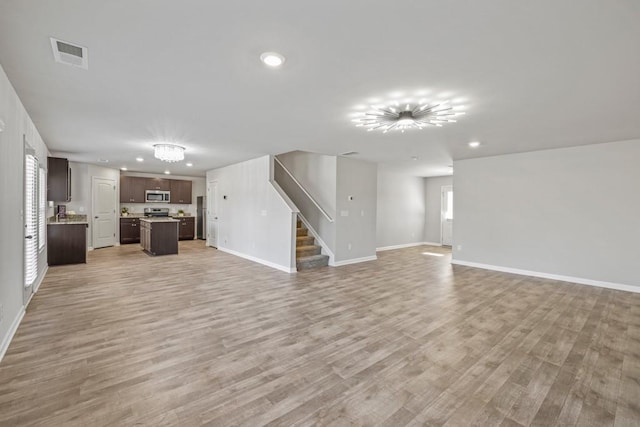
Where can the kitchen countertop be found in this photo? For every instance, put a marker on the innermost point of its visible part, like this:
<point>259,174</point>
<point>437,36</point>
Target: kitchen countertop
<point>139,216</point>
<point>159,219</point>
<point>64,222</point>
<point>70,220</point>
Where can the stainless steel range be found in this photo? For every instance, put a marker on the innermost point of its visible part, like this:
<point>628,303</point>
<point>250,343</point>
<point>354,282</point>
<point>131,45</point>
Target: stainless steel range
<point>156,212</point>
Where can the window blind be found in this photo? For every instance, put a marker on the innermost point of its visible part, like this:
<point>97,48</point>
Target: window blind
<point>42,214</point>
<point>30,220</point>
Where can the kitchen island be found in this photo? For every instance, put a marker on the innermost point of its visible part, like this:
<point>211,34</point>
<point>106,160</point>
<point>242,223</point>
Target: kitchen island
<point>159,236</point>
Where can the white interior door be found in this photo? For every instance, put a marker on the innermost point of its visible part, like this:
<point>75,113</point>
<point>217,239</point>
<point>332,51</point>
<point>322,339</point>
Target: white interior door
<point>446,217</point>
<point>104,212</point>
<point>212,214</point>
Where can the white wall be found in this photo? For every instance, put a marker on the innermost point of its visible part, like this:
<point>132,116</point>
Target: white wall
<point>432,196</point>
<point>82,175</point>
<point>571,212</point>
<point>355,232</point>
<point>254,221</point>
<point>316,173</point>
<point>400,209</point>
<point>17,124</point>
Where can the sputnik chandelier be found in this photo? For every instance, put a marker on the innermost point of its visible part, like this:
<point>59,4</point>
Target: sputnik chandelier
<point>408,114</point>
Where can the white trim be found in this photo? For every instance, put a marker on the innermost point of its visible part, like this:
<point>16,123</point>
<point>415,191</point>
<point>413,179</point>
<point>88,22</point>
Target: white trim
<point>38,282</point>
<point>259,260</point>
<point>432,243</point>
<point>406,245</point>
<point>90,248</point>
<point>354,261</point>
<point>578,280</point>
<point>11,332</point>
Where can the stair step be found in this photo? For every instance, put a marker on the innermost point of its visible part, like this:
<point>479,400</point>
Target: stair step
<point>312,261</point>
<point>301,231</point>
<point>302,251</point>
<point>304,241</point>
<point>298,223</point>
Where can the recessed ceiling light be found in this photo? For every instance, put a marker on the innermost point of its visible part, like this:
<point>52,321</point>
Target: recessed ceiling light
<point>139,159</point>
<point>167,173</point>
<point>124,168</point>
<point>272,59</point>
<point>474,144</point>
<point>103,160</point>
<point>189,164</point>
<point>414,157</point>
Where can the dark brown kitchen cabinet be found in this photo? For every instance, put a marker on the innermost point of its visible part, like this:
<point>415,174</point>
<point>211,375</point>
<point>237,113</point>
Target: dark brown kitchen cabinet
<point>159,237</point>
<point>66,244</point>
<point>186,227</point>
<point>129,230</point>
<point>158,184</point>
<point>132,189</point>
<point>180,192</point>
<point>58,179</point>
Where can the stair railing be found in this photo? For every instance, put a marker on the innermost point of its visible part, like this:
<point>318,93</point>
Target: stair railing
<point>326,215</point>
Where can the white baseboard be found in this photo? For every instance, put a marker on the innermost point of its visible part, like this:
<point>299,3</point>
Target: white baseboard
<point>578,280</point>
<point>406,245</point>
<point>353,261</point>
<point>36,285</point>
<point>259,260</point>
<point>10,333</point>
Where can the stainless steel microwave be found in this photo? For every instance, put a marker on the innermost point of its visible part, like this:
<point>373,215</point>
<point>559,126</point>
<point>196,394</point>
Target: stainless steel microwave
<point>156,196</point>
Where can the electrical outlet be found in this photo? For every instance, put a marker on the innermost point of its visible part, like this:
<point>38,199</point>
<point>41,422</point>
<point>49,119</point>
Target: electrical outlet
<point>349,246</point>
<point>459,247</point>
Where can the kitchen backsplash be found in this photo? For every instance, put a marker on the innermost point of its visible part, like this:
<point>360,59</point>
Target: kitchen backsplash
<point>138,208</point>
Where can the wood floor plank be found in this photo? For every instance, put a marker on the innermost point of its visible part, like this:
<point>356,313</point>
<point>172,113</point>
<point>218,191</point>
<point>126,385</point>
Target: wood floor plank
<point>206,338</point>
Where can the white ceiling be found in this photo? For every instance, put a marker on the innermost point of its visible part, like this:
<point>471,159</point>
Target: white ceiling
<point>534,75</point>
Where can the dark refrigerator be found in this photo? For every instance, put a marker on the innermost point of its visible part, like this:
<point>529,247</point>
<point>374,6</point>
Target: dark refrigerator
<point>201,217</point>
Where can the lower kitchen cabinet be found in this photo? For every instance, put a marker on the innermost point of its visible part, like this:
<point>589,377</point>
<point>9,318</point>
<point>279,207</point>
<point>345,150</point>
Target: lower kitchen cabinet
<point>159,237</point>
<point>66,243</point>
<point>186,228</point>
<point>129,230</point>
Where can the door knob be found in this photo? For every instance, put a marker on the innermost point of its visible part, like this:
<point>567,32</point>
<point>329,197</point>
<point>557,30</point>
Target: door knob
<point>28,237</point>
<point>95,217</point>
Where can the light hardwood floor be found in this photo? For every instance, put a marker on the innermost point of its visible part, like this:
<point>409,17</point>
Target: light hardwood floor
<point>208,338</point>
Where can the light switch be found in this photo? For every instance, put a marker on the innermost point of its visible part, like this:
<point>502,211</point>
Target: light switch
<point>263,213</point>
<point>344,213</point>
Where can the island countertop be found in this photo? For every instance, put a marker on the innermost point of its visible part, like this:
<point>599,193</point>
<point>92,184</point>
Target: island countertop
<point>159,219</point>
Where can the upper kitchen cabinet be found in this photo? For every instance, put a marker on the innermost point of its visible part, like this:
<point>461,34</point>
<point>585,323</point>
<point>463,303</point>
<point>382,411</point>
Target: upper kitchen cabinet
<point>158,184</point>
<point>180,192</point>
<point>132,189</point>
<point>58,179</point>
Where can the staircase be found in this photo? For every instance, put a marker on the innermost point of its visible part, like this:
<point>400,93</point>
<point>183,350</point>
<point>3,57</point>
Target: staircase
<point>307,252</point>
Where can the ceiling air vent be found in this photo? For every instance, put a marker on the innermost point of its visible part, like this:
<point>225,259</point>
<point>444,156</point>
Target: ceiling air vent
<point>70,54</point>
<point>349,153</point>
